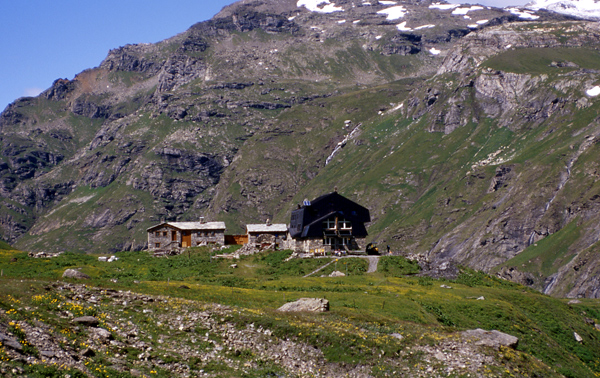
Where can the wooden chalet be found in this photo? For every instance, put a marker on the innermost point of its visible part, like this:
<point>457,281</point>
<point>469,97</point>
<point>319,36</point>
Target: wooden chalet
<point>328,223</point>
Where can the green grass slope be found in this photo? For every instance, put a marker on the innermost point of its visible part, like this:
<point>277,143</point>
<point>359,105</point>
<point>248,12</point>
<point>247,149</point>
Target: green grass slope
<point>366,309</point>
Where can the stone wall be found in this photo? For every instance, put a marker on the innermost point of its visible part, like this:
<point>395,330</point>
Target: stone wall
<point>310,245</point>
<point>279,238</point>
<point>203,237</point>
<point>162,238</point>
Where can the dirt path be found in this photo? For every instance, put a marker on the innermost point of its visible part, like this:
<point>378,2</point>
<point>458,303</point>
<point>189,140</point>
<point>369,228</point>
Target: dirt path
<point>318,269</point>
<point>373,261</point>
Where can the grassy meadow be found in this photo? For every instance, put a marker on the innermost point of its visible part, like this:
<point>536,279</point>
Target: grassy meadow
<point>365,309</point>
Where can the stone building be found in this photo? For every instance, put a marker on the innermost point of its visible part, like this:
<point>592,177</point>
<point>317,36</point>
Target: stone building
<point>267,233</point>
<point>169,236</point>
<point>328,223</point>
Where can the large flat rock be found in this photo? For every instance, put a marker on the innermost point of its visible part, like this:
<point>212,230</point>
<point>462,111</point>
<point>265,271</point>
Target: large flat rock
<point>306,305</point>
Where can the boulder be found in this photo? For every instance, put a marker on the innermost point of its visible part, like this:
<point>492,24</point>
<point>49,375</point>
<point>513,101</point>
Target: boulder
<point>89,321</point>
<point>10,342</point>
<point>100,334</point>
<point>72,273</point>
<point>494,339</point>
<point>397,336</point>
<point>337,273</point>
<point>306,305</point>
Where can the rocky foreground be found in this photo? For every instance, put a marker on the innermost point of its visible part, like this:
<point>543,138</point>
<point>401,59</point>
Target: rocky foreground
<point>87,331</point>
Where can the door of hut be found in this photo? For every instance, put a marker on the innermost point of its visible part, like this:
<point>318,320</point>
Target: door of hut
<point>186,239</point>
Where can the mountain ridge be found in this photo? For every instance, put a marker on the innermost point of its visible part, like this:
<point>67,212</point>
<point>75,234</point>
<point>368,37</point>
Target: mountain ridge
<point>236,118</point>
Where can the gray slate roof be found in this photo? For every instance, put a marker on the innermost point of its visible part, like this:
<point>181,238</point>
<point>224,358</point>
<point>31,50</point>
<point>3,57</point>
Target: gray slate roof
<point>280,227</point>
<point>193,225</point>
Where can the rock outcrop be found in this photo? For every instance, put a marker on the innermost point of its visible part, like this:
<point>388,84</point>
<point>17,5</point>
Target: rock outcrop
<point>306,305</point>
<point>72,273</point>
<point>494,339</point>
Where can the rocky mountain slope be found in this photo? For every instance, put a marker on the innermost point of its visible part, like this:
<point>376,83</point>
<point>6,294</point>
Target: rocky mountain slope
<point>470,132</point>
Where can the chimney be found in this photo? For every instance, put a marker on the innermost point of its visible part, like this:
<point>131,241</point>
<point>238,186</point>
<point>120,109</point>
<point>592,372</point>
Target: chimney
<point>268,222</point>
<point>201,219</point>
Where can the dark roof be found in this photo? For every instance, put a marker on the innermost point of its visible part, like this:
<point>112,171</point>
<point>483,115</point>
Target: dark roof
<point>307,221</point>
<point>335,201</point>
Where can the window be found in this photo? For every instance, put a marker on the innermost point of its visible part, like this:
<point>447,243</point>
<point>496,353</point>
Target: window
<point>156,245</point>
<point>329,224</point>
<point>328,241</point>
<point>344,224</point>
<point>157,233</point>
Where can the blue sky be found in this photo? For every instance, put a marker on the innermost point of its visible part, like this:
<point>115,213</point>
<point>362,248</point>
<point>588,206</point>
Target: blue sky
<point>43,40</point>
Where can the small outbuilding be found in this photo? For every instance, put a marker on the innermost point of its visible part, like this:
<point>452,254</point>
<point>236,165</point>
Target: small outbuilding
<point>267,233</point>
<point>169,236</point>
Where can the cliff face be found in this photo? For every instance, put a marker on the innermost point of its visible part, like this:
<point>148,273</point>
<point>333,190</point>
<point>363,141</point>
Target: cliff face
<point>471,135</point>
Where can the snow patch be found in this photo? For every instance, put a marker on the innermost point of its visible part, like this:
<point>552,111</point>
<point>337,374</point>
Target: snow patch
<point>593,92</point>
<point>434,51</point>
<point>341,22</point>
<point>355,21</point>
<point>524,14</point>
<point>428,26</point>
<point>477,24</point>
<point>321,6</point>
<point>341,144</point>
<point>397,107</point>
<point>587,9</point>
<point>464,11</point>
<point>402,27</point>
<point>378,37</point>
<point>508,46</point>
<point>388,2</point>
<point>393,13</point>
<point>443,6</point>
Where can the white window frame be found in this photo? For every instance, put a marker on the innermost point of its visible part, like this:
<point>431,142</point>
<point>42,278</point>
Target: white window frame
<point>344,224</point>
<point>329,224</point>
